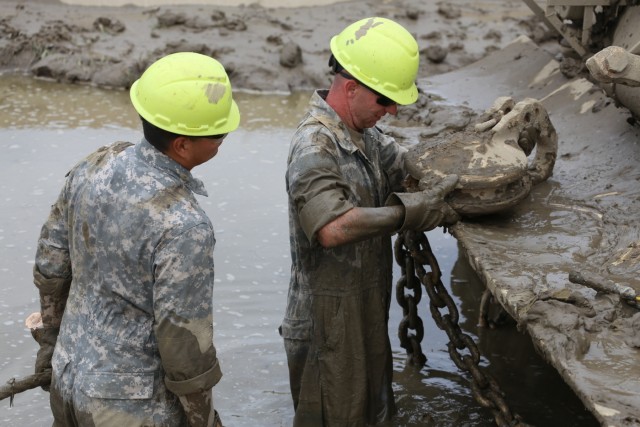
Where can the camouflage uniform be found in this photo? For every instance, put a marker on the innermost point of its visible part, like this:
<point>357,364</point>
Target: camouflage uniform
<point>129,243</point>
<point>335,326</point>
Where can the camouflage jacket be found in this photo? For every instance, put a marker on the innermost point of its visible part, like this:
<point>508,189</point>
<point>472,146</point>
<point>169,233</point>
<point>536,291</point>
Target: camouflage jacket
<point>130,234</point>
<point>339,297</point>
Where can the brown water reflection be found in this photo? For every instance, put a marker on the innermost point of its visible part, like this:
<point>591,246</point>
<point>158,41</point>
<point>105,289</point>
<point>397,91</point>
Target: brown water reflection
<point>46,127</point>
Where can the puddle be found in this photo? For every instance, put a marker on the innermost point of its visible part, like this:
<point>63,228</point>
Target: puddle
<point>46,127</point>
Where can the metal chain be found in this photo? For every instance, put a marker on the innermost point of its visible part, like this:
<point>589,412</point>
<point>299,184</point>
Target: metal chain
<point>413,252</point>
<point>409,303</point>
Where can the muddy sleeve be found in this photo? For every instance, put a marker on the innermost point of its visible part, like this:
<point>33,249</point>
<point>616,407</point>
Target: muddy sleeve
<point>52,269</point>
<point>317,188</point>
<point>183,311</point>
<point>199,408</point>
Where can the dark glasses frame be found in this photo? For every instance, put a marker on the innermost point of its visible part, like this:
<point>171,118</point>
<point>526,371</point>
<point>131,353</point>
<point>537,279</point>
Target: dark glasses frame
<point>218,136</point>
<point>382,100</point>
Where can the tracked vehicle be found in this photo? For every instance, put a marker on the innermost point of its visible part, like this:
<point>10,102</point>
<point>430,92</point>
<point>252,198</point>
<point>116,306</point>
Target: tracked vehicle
<point>590,28</point>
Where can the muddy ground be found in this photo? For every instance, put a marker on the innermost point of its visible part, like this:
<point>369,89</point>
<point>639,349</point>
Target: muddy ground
<point>585,218</point>
<point>264,49</point>
<point>283,50</point>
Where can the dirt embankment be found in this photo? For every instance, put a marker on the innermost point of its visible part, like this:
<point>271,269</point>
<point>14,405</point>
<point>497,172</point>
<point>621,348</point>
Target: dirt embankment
<point>263,49</point>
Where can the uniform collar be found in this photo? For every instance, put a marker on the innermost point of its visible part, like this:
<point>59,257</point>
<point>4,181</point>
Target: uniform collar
<point>158,160</point>
<point>326,115</point>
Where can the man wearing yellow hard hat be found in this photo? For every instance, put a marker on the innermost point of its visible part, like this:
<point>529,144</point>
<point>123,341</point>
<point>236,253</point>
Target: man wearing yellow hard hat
<point>343,181</point>
<point>124,263</point>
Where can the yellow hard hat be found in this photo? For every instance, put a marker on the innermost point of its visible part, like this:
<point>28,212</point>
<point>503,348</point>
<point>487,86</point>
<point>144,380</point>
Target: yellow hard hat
<point>186,93</point>
<point>382,55</point>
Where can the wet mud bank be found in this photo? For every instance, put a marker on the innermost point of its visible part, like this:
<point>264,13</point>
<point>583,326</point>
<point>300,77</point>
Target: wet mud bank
<point>585,218</point>
<point>263,49</point>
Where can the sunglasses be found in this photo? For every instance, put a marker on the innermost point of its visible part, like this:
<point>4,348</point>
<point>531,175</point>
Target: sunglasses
<point>219,136</point>
<point>382,100</point>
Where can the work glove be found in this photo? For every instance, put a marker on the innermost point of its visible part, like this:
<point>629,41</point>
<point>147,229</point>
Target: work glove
<point>427,209</point>
<point>47,338</point>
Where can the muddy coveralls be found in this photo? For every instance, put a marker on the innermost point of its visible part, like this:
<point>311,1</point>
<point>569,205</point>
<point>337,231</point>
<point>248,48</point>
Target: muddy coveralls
<point>130,239</point>
<point>335,326</point>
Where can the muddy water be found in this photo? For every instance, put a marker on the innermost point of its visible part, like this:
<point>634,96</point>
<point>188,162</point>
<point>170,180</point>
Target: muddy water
<point>46,127</point>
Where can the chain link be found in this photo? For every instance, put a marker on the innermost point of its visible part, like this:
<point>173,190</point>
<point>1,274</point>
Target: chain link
<point>409,303</point>
<point>412,253</point>
<point>11,382</point>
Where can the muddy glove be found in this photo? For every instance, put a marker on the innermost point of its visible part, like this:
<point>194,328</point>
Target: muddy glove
<point>426,210</point>
<point>47,338</point>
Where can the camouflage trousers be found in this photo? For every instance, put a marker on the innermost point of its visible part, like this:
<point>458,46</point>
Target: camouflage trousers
<point>79,409</point>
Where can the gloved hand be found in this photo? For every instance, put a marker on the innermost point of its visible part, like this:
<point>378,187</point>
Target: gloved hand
<point>47,338</point>
<point>426,210</point>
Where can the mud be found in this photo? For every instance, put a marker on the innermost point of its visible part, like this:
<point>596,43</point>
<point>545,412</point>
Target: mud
<point>266,49</point>
<point>489,157</point>
<point>583,218</point>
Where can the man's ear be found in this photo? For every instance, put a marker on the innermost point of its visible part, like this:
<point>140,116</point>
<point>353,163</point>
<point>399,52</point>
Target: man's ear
<point>180,145</point>
<point>350,87</point>
<point>179,149</point>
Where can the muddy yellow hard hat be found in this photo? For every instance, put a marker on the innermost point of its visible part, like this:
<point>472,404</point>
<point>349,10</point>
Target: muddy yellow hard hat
<point>382,55</point>
<point>186,93</point>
